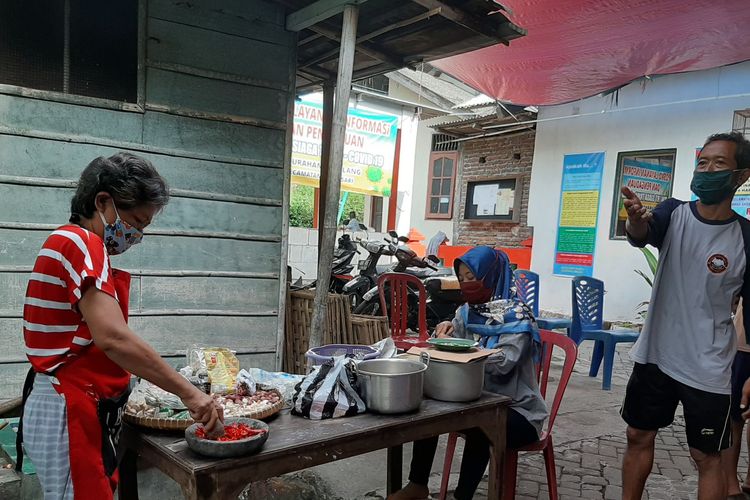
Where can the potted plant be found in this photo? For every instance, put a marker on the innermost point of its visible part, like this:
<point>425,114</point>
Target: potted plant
<point>653,263</point>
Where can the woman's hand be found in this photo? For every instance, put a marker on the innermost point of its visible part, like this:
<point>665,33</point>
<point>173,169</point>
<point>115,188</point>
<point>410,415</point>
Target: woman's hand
<point>205,410</point>
<point>444,329</point>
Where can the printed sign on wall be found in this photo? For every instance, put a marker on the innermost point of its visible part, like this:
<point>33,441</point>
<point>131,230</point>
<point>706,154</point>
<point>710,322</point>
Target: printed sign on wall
<point>579,211</point>
<point>369,149</point>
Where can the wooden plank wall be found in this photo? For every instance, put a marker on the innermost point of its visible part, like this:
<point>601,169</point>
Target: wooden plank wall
<point>218,90</point>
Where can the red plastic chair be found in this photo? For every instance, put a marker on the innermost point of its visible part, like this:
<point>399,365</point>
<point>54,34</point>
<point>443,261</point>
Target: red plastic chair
<point>394,289</point>
<point>549,341</point>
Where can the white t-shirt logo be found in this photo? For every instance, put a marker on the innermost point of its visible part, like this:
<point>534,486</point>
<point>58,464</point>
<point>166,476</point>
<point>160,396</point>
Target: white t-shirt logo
<point>717,263</point>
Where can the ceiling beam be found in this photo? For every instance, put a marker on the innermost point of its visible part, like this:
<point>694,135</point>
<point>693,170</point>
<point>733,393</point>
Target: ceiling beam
<point>317,73</point>
<point>316,12</point>
<point>503,33</point>
<point>331,54</point>
<point>365,48</point>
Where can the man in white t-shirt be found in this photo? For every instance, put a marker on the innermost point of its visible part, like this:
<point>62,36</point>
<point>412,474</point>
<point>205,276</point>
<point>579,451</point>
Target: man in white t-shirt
<point>740,373</point>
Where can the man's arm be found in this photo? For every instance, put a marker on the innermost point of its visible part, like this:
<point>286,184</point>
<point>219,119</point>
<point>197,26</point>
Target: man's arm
<point>636,226</point>
<point>644,227</point>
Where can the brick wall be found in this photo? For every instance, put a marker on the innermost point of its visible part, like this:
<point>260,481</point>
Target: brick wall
<point>501,158</point>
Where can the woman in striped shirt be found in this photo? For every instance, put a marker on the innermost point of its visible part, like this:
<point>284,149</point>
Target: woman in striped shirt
<point>81,350</point>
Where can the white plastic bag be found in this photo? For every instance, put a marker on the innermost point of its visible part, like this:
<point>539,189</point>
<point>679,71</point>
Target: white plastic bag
<point>281,381</point>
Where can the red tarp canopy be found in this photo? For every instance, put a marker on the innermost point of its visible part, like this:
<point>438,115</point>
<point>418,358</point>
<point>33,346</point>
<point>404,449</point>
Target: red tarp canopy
<point>579,48</point>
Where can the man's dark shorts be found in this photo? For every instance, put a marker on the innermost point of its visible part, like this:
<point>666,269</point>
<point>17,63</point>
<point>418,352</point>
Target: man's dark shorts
<point>651,400</point>
<point>740,373</point>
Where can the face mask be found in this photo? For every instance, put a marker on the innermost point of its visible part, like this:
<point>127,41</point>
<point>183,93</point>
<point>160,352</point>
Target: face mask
<point>474,292</point>
<point>119,236</point>
<point>713,187</point>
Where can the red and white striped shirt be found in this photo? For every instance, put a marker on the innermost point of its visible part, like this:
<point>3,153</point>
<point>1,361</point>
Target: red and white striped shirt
<point>71,260</point>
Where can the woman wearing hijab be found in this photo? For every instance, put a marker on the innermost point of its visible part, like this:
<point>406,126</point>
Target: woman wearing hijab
<point>499,320</point>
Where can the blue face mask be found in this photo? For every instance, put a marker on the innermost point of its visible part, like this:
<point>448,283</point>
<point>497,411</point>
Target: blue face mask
<point>120,235</point>
<point>713,187</point>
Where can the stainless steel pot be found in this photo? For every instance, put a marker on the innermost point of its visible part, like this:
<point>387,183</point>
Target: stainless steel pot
<point>392,385</point>
<point>451,381</point>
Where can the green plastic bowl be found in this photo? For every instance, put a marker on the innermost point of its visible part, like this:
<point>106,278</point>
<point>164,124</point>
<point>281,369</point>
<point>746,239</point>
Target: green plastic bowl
<point>455,345</point>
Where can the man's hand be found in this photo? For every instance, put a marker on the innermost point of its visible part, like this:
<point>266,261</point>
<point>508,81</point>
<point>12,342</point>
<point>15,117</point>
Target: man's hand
<point>745,399</point>
<point>444,329</point>
<point>638,215</point>
<point>205,410</point>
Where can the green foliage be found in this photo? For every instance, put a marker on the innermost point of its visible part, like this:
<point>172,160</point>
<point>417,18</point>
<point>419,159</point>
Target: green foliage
<point>354,203</point>
<point>302,206</point>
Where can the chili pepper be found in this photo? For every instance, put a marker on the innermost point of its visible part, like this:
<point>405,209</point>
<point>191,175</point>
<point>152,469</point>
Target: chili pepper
<point>232,432</point>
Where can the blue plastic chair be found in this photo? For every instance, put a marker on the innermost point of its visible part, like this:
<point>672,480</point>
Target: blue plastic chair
<point>527,287</point>
<point>588,309</point>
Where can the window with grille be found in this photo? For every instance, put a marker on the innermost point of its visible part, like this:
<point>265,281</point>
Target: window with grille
<point>377,82</point>
<point>440,187</point>
<point>741,122</point>
<point>80,47</point>
<point>444,142</point>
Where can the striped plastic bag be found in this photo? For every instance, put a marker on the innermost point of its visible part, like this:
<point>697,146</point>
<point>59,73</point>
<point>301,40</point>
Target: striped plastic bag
<point>329,391</point>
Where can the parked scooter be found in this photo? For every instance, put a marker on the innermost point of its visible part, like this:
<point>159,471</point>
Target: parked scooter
<point>443,292</point>
<point>341,267</point>
<point>369,271</point>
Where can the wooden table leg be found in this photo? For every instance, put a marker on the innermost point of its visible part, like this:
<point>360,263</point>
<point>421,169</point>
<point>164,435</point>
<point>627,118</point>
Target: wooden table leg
<point>494,429</point>
<point>395,466</point>
<point>128,487</point>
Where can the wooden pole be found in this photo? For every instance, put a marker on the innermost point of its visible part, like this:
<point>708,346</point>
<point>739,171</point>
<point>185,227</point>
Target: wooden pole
<point>338,130</point>
<point>325,157</point>
<point>393,200</point>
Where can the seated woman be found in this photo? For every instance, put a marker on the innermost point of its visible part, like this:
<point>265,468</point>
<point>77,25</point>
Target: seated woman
<point>500,321</point>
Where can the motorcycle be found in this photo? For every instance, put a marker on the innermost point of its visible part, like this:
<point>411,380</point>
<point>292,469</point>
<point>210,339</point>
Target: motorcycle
<point>443,292</point>
<point>341,267</point>
<point>369,270</point>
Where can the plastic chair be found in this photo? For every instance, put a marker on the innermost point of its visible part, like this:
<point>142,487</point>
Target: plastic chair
<point>527,287</point>
<point>588,309</point>
<point>549,341</point>
<point>394,289</point>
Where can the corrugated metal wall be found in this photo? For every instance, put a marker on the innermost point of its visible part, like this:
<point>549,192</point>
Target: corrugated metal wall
<point>218,88</point>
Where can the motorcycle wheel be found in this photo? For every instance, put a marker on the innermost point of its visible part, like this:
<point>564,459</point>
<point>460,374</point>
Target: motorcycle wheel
<point>371,308</point>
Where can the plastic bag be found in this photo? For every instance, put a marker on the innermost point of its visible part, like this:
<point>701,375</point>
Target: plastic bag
<point>246,385</point>
<point>386,348</point>
<point>220,363</point>
<point>147,393</point>
<point>329,391</point>
<point>281,381</point>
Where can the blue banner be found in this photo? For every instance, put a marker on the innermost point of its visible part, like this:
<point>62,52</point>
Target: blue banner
<point>579,214</point>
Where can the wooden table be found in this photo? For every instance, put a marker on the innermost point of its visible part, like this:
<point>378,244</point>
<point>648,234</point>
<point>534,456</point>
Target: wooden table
<point>296,443</point>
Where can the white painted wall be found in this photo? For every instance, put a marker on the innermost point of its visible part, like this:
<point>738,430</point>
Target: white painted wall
<point>417,156</point>
<point>303,252</point>
<point>675,111</point>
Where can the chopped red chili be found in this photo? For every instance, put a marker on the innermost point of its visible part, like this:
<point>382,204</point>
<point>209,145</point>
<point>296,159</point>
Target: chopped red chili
<point>232,432</point>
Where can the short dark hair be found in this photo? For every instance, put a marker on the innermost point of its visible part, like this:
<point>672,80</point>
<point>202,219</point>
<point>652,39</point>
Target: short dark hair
<point>742,150</point>
<point>131,180</point>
